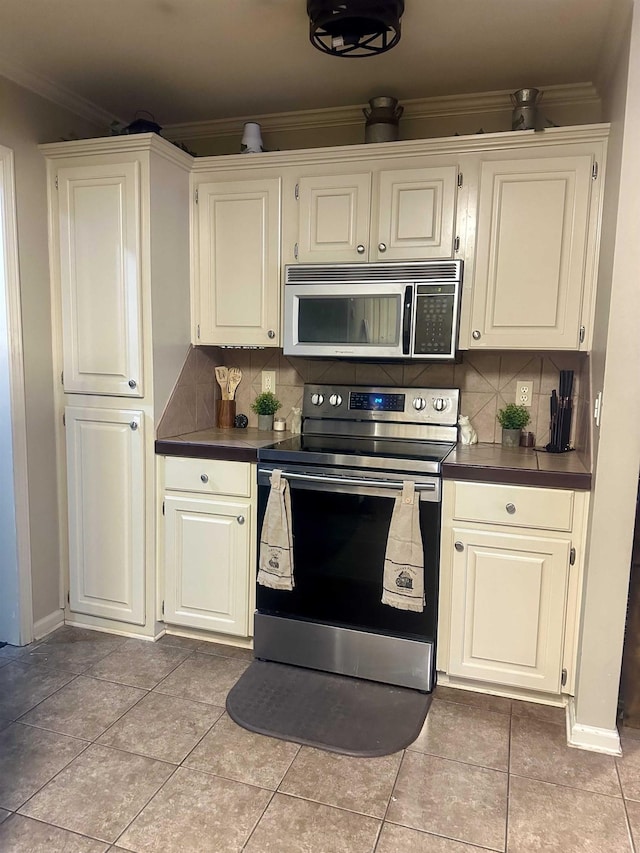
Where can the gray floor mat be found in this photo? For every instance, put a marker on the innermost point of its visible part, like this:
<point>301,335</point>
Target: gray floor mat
<point>332,712</point>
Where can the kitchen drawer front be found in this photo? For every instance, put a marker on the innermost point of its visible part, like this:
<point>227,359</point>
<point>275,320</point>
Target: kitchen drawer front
<point>520,506</point>
<point>211,476</point>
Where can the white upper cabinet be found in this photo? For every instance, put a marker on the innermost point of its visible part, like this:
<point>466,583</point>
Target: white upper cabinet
<point>99,252</point>
<point>535,258</point>
<point>237,262</point>
<point>386,214</point>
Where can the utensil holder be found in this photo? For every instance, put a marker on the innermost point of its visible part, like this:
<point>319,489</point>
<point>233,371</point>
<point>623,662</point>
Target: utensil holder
<point>225,414</point>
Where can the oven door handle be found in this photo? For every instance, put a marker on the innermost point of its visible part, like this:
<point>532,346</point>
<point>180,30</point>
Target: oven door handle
<point>352,481</point>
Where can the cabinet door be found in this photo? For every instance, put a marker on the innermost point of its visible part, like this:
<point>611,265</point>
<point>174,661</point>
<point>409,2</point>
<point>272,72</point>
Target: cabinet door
<point>207,564</point>
<point>99,237</point>
<point>238,276</point>
<point>106,497</point>
<point>508,597</point>
<point>416,214</point>
<point>334,218</point>
<point>530,260</point>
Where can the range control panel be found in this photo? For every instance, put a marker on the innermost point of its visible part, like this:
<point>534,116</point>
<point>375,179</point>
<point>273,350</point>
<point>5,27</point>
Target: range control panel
<point>395,405</point>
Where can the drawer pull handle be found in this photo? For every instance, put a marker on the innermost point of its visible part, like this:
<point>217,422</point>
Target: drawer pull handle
<point>459,546</point>
<point>204,478</point>
<point>240,519</point>
<point>511,508</point>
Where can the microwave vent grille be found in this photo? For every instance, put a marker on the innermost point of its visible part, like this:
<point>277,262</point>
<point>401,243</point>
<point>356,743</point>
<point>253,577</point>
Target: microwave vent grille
<point>372,273</point>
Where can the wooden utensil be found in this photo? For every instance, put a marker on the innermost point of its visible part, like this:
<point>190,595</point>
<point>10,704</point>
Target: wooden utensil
<point>235,378</point>
<point>222,375</point>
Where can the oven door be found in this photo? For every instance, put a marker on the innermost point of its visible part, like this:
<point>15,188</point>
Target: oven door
<point>356,320</point>
<point>340,525</point>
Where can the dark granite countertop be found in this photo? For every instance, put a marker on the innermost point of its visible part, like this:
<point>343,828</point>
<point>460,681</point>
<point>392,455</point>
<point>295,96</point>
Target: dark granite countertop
<point>492,463</point>
<point>489,463</point>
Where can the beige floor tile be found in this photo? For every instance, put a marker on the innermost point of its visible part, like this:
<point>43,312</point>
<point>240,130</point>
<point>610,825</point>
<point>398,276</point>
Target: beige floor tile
<point>163,727</point>
<point>465,733</point>
<point>226,651</point>
<point>179,642</point>
<point>196,812</point>
<point>468,697</point>
<point>235,753</point>
<point>539,751</point>
<point>630,732</point>
<point>29,758</point>
<point>458,801</point>
<point>633,813</point>
<point>629,768</point>
<point>139,664</point>
<point>291,825</point>
<point>99,793</point>
<point>83,708</point>
<point>73,649</point>
<point>205,678</point>
<point>548,713</point>
<point>22,687</point>
<point>23,835</point>
<point>399,839</point>
<point>555,819</point>
<point>359,784</point>
<point>8,653</point>
<point>4,814</point>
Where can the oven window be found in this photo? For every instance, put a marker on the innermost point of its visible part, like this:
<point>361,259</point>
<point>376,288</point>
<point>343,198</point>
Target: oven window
<point>339,546</point>
<point>355,320</point>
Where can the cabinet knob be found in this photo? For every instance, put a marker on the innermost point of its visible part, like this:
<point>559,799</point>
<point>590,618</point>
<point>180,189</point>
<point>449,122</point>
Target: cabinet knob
<point>133,425</point>
<point>240,519</point>
<point>510,508</point>
<point>204,478</point>
<point>476,335</point>
<point>459,546</point>
<point>360,249</point>
<point>271,334</point>
<point>382,247</point>
<point>132,383</point>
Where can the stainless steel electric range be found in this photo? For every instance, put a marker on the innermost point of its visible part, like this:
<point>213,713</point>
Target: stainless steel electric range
<point>358,445</point>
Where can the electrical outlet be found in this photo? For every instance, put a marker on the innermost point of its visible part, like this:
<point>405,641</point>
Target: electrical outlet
<point>269,381</point>
<point>524,392</point>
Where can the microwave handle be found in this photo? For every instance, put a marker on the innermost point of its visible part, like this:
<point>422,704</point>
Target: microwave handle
<point>406,320</point>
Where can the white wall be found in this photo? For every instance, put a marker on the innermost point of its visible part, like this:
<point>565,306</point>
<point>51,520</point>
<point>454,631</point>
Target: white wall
<point>616,360</point>
<point>26,121</point>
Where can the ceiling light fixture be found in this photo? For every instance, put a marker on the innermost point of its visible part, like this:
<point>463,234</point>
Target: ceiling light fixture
<point>354,27</point>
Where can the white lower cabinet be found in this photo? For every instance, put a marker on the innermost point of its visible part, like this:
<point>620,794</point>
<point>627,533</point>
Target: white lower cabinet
<point>510,574</point>
<point>508,599</point>
<point>106,502</point>
<point>208,545</point>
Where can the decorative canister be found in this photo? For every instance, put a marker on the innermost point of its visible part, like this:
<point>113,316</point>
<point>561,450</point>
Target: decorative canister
<point>525,109</point>
<point>251,138</point>
<point>383,119</point>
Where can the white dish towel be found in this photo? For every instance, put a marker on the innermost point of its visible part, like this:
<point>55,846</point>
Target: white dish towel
<point>403,580</point>
<point>275,565</point>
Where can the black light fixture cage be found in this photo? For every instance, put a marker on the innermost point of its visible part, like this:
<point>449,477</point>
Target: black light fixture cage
<point>354,28</point>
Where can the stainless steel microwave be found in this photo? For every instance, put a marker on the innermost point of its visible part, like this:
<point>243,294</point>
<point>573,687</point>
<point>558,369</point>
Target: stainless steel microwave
<point>381,311</point>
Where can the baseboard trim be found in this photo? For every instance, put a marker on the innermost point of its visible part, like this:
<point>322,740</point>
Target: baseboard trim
<point>591,738</point>
<point>48,624</point>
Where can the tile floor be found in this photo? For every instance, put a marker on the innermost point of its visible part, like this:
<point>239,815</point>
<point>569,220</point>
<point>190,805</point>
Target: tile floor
<point>112,744</point>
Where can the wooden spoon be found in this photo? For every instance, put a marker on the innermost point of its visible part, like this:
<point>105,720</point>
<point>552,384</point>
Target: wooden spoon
<point>222,375</point>
<point>235,378</point>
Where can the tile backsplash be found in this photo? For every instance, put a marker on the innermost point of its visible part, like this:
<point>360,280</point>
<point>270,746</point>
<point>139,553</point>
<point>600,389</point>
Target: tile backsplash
<point>487,381</point>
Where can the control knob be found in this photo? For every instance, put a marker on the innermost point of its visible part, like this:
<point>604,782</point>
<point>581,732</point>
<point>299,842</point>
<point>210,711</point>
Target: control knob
<point>335,400</point>
<point>439,404</point>
<point>317,399</point>
<point>419,404</point>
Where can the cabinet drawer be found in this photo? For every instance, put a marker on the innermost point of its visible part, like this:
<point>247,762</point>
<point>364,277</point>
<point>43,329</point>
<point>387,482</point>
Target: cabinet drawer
<point>521,506</point>
<point>212,476</point>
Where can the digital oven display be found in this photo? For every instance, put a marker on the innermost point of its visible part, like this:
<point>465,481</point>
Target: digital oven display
<point>367,402</point>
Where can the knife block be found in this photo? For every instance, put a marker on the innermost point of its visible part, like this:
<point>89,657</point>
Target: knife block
<point>225,414</point>
<point>561,427</point>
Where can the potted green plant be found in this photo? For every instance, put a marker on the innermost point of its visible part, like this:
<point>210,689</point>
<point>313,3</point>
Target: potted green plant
<point>265,406</point>
<point>512,419</point>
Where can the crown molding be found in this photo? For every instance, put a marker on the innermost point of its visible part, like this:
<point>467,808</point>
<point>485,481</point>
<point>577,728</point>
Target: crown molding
<point>56,93</point>
<point>132,143</point>
<point>423,108</point>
